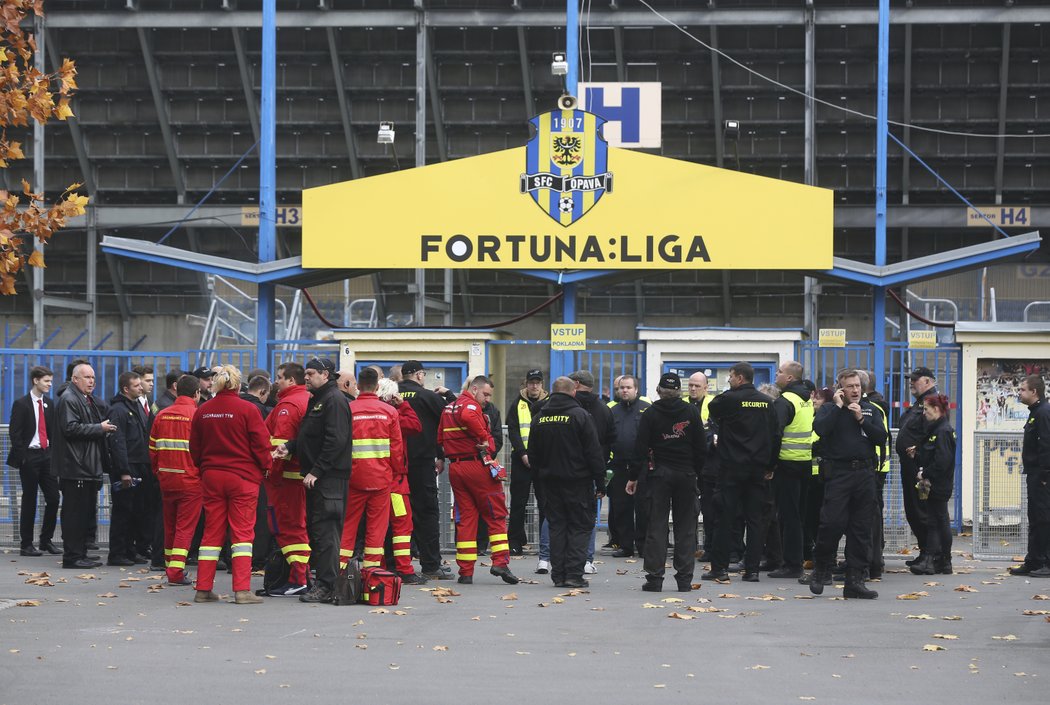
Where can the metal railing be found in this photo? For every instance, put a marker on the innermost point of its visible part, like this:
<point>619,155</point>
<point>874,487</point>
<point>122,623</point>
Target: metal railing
<point>1000,497</point>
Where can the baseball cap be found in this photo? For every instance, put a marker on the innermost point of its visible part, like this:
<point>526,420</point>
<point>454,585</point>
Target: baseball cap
<point>584,377</point>
<point>922,372</point>
<point>321,364</point>
<point>203,373</point>
<point>411,367</point>
<point>670,380</point>
<point>534,374</point>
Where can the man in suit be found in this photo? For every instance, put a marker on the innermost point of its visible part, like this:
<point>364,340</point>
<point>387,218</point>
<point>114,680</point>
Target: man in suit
<point>32,417</point>
<point>79,457</point>
<point>129,448</point>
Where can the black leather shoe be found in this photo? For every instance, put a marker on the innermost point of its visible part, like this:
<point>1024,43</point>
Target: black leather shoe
<point>1043,572</point>
<point>139,559</point>
<point>1023,569</point>
<point>50,547</point>
<point>90,546</point>
<point>81,564</point>
<point>622,553</point>
<point>786,572</point>
<point>924,567</point>
<point>504,572</point>
<point>766,566</point>
<point>576,583</point>
<point>818,579</point>
<point>719,576</point>
<point>30,550</point>
<point>653,586</point>
<point>465,580</point>
<point>120,561</point>
<point>737,567</point>
<point>749,577</point>
<point>184,581</point>
<point>912,561</point>
<point>685,586</point>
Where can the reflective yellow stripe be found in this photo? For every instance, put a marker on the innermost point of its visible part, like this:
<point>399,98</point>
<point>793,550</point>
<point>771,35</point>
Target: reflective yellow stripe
<point>178,552</point>
<point>373,550</point>
<point>291,475</point>
<point>346,552</point>
<point>168,551</point>
<point>278,441</point>
<point>397,501</point>
<point>177,471</point>
<point>466,556</point>
<point>402,551</point>
<point>497,537</point>
<point>295,547</point>
<point>297,559</point>
<point>402,539</point>
<point>176,564</point>
<point>455,428</point>
<point>369,564</point>
<point>170,444</point>
<point>367,454</point>
<point>208,553</point>
<point>497,547</point>
<point>466,544</point>
<point>239,550</point>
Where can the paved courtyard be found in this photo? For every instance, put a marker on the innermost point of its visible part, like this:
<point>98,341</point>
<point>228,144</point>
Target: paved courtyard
<point>120,636</point>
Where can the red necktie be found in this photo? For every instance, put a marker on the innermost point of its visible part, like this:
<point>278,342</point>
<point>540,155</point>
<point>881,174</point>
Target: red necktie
<point>145,406</point>
<point>41,426</point>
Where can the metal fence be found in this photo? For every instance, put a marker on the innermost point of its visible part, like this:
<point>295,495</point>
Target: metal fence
<point>1000,497</point>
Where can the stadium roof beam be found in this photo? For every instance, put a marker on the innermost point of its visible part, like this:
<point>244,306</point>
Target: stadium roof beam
<point>175,19</point>
<point>161,107</point>
<point>344,104</point>
<point>437,108</point>
<point>1000,147</point>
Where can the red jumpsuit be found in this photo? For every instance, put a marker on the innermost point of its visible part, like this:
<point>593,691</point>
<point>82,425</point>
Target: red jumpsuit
<point>377,451</point>
<point>400,505</point>
<point>230,445</point>
<point>179,480</point>
<point>285,493</point>
<point>462,427</point>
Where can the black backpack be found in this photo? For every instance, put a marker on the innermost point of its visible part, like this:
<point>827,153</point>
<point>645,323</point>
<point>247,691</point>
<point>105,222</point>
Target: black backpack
<point>347,589</point>
<point>275,573</point>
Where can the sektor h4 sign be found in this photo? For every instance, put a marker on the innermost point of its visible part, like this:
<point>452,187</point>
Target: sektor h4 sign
<point>566,164</point>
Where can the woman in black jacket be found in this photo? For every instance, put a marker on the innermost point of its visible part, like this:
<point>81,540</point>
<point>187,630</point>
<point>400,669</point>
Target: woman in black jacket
<point>936,458</point>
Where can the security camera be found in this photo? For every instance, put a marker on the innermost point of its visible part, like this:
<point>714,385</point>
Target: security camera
<point>567,102</point>
<point>386,133</point>
<point>559,66</point>
<point>731,128</point>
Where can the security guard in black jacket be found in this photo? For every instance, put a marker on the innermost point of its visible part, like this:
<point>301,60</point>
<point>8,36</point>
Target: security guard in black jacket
<point>911,432</point>
<point>850,430</point>
<point>1035,457</point>
<point>698,397</point>
<point>324,447</point>
<point>129,451</point>
<point>519,425</point>
<point>423,471</point>
<point>566,456</point>
<point>671,433</point>
<point>748,444</point>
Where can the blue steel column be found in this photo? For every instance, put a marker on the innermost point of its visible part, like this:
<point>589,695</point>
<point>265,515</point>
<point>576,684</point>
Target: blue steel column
<point>264,319</point>
<point>879,298</point>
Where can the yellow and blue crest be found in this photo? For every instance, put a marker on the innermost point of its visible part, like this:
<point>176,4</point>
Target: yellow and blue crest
<point>566,164</point>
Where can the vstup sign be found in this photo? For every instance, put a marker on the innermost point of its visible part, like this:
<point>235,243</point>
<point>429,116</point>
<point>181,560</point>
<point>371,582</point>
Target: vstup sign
<point>568,201</point>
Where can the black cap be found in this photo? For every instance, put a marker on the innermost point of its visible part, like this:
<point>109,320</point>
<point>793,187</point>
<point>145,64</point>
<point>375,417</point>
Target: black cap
<point>670,380</point>
<point>534,374</point>
<point>203,373</point>
<point>411,367</point>
<point>322,364</point>
<point>922,372</point>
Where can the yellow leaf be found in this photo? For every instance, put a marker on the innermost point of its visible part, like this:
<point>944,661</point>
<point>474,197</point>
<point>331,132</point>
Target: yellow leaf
<point>440,647</point>
<point>933,647</point>
<point>651,606</point>
<point>77,202</point>
<point>676,615</point>
<point>672,599</point>
<point>28,603</point>
<point>952,618</point>
<point>728,596</point>
<point>965,588</point>
<point>758,667</point>
<point>510,596</point>
<point>36,259</point>
<point>62,110</point>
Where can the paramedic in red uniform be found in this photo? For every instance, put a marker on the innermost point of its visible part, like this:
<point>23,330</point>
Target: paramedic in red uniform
<point>463,433</point>
<point>400,497</point>
<point>377,451</point>
<point>177,475</point>
<point>231,446</point>
<point>285,493</point>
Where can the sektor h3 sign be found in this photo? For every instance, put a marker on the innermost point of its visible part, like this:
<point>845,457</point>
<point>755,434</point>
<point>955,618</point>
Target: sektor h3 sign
<point>566,164</point>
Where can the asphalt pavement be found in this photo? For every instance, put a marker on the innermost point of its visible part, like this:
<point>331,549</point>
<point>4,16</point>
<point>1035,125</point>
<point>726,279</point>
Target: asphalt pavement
<point>113,635</point>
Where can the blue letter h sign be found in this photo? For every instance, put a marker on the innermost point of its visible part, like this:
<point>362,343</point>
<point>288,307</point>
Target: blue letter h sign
<point>628,113</point>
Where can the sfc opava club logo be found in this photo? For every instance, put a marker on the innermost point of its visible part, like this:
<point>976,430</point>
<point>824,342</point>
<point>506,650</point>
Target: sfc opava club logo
<point>566,163</point>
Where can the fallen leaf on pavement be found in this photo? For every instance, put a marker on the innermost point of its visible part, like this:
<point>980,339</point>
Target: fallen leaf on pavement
<point>803,597</point>
<point>965,588</point>
<point>767,598</point>
<point>677,615</point>
<point>1032,613</point>
<point>1021,673</point>
<point>510,596</point>
<point>621,571</point>
<point>182,604</point>
<point>260,672</point>
<point>107,595</point>
<point>949,637</point>
<point>558,600</point>
<point>400,613</point>
<point>87,576</point>
<point>918,616</point>
<point>912,596</point>
<point>28,603</point>
<point>1041,597</point>
<point>758,667</point>
<point>1006,637</point>
<point>933,647</point>
<point>672,599</point>
<point>706,610</point>
<point>651,606</point>
<point>952,618</point>
<point>931,584</point>
<point>440,647</point>
<point>379,610</point>
<point>728,596</point>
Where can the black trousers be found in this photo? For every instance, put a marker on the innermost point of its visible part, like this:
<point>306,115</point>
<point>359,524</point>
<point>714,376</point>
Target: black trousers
<point>263,544</point>
<point>811,515</point>
<point>92,525</point>
<point>710,507</point>
<point>914,508</point>
<point>521,482</point>
<point>848,498</point>
<point>671,490</point>
<point>742,491</point>
<point>621,511</point>
<point>1038,521</point>
<point>325,509</point>
<point>789,483</point>
<point>938,528</point>
<point>878,539</point>
<point>426,530</point>
<point>144,514</point>
<point>79,501</point>
<point>569,507</point>
<point>35,474</point>
<point>122,521</point>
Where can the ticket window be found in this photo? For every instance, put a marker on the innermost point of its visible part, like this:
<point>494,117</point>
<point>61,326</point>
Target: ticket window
<point>718,373</point>
<point>438,374</point>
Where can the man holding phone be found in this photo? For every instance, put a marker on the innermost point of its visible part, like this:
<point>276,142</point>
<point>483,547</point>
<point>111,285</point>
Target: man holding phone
<point>851,432</point>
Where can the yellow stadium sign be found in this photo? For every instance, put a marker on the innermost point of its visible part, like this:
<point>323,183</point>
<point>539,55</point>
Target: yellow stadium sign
<point>832,338</point>
<point>922,339</point>
<point>482,212</point>
<point>568,336</point>
<point>284,216</point>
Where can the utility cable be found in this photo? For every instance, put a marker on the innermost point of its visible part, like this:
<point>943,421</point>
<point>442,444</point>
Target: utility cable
<point>922,319</point>
<point>805,95</point>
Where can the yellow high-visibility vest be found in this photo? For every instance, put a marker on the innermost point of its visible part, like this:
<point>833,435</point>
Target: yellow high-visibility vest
<point>797,443</point>
<point>524,421</point>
